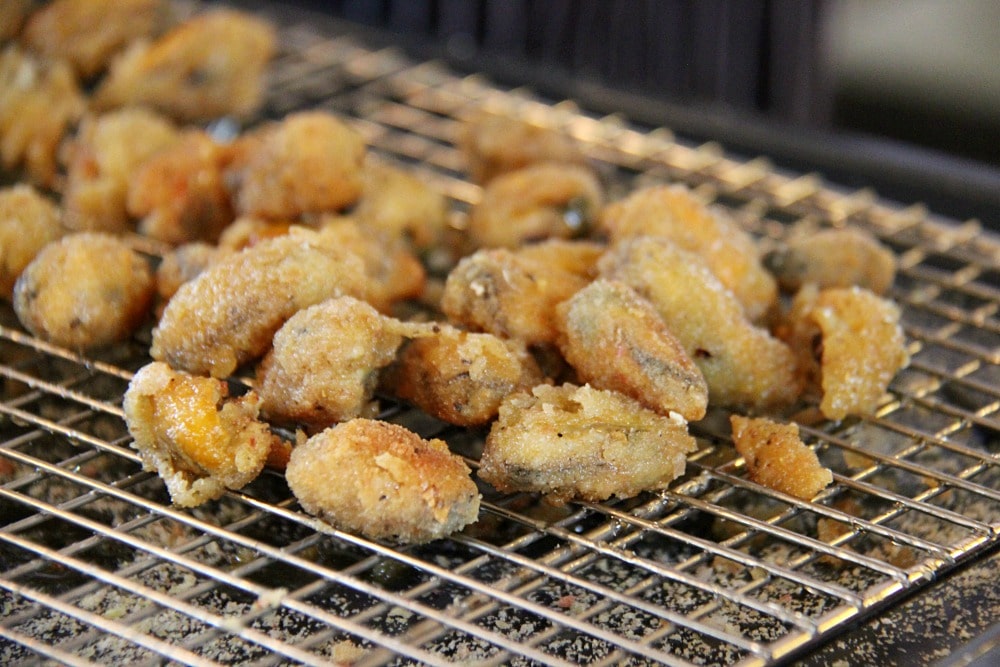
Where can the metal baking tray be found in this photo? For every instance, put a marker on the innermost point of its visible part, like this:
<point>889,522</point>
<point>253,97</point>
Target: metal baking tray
<point>97,566</point>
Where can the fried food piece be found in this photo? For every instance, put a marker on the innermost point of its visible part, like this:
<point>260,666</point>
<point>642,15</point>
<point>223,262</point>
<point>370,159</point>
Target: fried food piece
<point>248,231</point>
<point>13,14</point>
<point>198,439</point>
<point>209,66</point>
<point>860,346</point>
<point>394,273</point>
<point>85,290</point>
<point>509,295</point>
<point>743,365</point>
<point>777,458</point>
<point>833,258</point>
<point>615,339</point>
<point>540,201</point>
<point>39,102</point>
<point>461,377</point>
<point>673,212</point>
<point>88,33</point>
<point>228,314</point>
<point>180,193</point>
<point>402,205</point>
<point>576,256</point>
<point>579,442</point>
<point>384,482</point>
<point>494,144</point>
<point>311,162</point>
<point>101,159</point>
<point>324,363</point>
<point>28,222</point>
<point>183,264</point>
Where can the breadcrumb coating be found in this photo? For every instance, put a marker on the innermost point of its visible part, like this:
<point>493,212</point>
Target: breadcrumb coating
<point>833,258</point>
<point>88,33</point>
<point>579,442</point>
<point>40,100</point>
<point>384,482</point>
<point>777,458</point>
<point>402,205</point>
<point>674,212</point>
<point>461,377</point>
<point>537,202</point>
<point>743,364</point>
<point>228,314</point>
<point>189,430</point>
<point>103,158</point>
<point>860,344</point>
<point>615,339</point>
<point>209,66</point>
<point>28,222</point>
<point>85,290</point>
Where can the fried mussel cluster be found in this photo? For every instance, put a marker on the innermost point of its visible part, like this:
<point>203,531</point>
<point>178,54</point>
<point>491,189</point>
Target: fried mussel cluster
<point>304,282</point>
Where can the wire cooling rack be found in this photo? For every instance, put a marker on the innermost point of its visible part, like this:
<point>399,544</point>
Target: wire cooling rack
<point>97,566</point>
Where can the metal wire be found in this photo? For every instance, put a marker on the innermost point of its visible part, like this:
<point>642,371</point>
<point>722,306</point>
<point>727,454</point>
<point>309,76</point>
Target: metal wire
<point>96,565</point>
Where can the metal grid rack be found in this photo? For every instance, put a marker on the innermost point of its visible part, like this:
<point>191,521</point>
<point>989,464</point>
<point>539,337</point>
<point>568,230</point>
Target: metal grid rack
<point>96,565</point>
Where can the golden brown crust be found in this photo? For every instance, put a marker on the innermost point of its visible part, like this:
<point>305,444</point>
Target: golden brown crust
<point>28,222</point>
<point>494,144</point>
<point>384,482</point>
<point>461,377</point>
<point>310,162</point>
<point>508,295</point>
<point>101,160</point>
<point>833,258</point>
<point>188,429</point>
<point>674,212</point>
<point>861,347</point>
<point>324,362</point>
<point>41,101</point>
<point>402,205</point>
<point>537,202</point>
<point>88,33</point>
<point>742,364</point>
<point>615,339</point>
<point>777,458</point>
<point>209,66</point>
<point>228,314</point>
<point>183,264</point>
<point>86,290</point>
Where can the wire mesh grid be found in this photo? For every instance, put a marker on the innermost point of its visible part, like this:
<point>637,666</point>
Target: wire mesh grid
<point>96,565</point>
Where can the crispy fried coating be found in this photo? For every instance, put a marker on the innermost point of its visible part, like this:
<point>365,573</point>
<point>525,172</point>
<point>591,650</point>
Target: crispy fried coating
<point>28,222</point>
<point>183,264</point>
<point>674,212</point>
<point>860,346</point>
<point>39,102</point>
<point>577,256</point>
<point>743,365</point>
<point>833,258</point>
<point>13,14</point>
<point>493,144</point>
<point>101,160</point>
<point>461,377</point>
<point>228,314</point>
<point>324,363</point>
<point>402,205</point>
<point>777,458</point>
<point>384,482</point>
<point>509,295</point>
<point>209,66</point>
<point>615,339</point>
<point>540,201</point>
<point>579,442</point>
<point>248,231</point>
<point>88,33</point>
<point>311,162</point>
<point>189,430</point>
<point>84,291</point>
<point>394,273</point>
<point>180,194</point>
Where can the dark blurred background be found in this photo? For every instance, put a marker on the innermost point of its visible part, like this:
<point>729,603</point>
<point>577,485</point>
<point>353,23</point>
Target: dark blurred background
<point>902,95</point>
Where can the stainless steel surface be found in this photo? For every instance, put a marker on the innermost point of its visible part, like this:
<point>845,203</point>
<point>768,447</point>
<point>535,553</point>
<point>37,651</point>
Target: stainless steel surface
<point>96,566</point>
